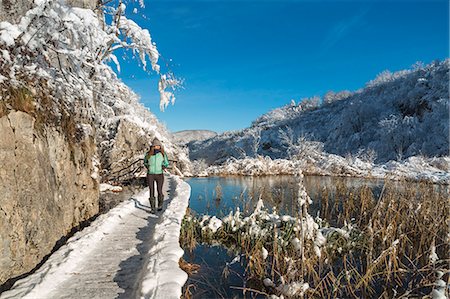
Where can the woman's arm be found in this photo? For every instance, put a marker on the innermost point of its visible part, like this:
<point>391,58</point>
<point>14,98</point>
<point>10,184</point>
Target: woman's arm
<point>165,162</point>
<point>146,160</point>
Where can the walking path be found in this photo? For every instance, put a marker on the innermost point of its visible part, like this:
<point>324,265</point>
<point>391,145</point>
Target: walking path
<point>126,253</point>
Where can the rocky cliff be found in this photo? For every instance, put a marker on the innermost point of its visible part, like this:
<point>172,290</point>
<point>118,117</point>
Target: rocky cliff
<point>66,123</point>
<point>48,184</point>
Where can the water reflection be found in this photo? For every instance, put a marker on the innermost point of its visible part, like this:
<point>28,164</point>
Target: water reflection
<point>219,195</point>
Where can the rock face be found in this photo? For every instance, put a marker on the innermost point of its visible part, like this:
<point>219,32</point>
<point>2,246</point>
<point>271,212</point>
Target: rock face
<point>46,189</point>
<point>48,180</point>
<point>121,155</point>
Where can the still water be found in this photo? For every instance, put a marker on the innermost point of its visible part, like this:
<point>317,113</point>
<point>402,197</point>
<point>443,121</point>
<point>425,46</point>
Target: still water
<point>220,195</point>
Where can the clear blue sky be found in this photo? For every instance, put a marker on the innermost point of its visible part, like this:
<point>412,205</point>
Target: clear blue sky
<point>240,59</point>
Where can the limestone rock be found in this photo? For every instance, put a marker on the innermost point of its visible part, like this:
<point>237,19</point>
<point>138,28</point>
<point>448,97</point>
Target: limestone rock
<point>46,189</point>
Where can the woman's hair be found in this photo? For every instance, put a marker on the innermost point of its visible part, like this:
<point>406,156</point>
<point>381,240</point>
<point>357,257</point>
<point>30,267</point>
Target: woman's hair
<point>151,152</point>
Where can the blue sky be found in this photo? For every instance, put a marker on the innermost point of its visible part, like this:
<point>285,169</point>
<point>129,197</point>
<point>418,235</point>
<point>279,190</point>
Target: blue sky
<point>240,59</point>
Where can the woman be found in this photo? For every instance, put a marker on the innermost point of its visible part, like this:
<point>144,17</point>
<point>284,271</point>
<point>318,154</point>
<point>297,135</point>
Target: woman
<point>155,160</point>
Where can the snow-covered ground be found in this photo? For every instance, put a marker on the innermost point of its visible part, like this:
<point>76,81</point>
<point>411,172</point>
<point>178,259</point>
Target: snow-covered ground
<point>436,170</point>
<point>128,252</point>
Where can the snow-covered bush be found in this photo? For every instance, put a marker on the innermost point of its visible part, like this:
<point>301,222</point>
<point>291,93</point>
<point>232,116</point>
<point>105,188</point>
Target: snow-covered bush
<point>360,165</point>
<point>199,167</point>
<point>332,96</point>
<point>310,103</point>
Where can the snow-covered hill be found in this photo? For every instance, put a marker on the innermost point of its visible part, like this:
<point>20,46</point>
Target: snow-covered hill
<point>395,116</point>
<point>186,136</point>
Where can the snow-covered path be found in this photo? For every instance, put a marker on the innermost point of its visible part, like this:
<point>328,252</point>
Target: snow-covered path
<point>126,253</point>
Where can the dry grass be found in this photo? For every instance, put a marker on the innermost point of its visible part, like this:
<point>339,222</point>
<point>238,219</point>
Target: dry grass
<point>188,267</point>
<point>386,254</point>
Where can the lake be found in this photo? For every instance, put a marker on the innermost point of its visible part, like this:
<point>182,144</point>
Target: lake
<point>220,195</point>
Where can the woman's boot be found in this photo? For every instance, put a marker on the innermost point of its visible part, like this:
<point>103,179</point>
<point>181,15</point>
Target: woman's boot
<point>160,202</point>
<point>152,203</point>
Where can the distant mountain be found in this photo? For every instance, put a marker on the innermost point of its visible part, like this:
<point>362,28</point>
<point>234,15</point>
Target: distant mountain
<point>186,136</point>
<point>395,116</point>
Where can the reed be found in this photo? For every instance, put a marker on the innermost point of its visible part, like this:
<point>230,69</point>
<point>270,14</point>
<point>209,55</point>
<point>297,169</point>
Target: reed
<point>391,245</point>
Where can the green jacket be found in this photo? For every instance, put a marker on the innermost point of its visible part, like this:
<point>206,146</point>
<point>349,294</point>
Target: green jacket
<point>156,163</point>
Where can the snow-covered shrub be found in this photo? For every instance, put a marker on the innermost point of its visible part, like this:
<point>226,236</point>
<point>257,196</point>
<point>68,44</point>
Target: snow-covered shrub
<point>300,148</point>
<point>360,165</point>
<point>387,76</point>
<point>310,103</point>
<point>258,166</point>
<point>332,96</point>
<point>71,45</point>
<point>199,167</point>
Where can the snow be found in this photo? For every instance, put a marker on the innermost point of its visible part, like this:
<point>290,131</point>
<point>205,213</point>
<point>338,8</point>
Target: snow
<point>433,257</point>
<point>264,253</point>
<point>393,127</point>
<point>296,243</point>
<point>141,41</point>
<point>8,33</point>
<point>434,169</point>
<point>214,224</point>
<point>268,282</point>
<point>100,261</point>
<point>107,187</point>
<point>296,289</point>
<point>166,97</point>
<point>439,290</point>
<point>95,171</point>
<point>164,278</point>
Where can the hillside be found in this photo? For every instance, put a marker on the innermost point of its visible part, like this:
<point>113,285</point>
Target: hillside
<point>186,136</point>
<point>394,117</point>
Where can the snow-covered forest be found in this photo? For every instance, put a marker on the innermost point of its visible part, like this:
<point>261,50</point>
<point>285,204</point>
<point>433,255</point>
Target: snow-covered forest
<point>394,117</point>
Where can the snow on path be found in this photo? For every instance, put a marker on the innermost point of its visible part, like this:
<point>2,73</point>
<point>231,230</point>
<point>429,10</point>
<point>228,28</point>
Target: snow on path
<point>125,253</point>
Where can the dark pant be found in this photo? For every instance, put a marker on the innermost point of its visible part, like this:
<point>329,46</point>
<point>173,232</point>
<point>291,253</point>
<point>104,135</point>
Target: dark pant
<point>159,179</point>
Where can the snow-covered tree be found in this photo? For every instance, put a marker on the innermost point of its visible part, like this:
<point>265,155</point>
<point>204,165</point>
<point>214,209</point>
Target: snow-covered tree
<point>60,55</point>
<point>310,103</point>
<point>59,42</point>
<point>332,96</point>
